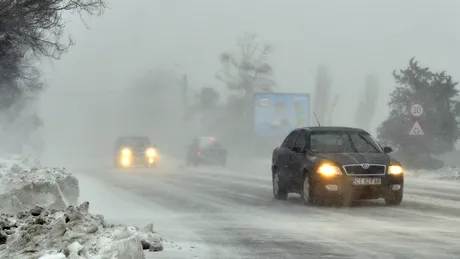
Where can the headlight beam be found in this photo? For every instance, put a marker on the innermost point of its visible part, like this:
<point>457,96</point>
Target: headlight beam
<point>395,170</point>
<point>328,170</point>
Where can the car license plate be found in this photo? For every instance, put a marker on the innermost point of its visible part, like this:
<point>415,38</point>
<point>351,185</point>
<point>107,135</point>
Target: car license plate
<point>367,181</point>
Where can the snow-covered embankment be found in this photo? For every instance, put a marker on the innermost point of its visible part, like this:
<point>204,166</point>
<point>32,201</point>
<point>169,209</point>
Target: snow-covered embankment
<point>40,217</point>
<point>449,173</point>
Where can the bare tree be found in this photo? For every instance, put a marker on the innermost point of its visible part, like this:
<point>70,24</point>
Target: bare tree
<point>30,29</point>
<point>366,107</point>
<point>245,72</point>
<point>249,70</point>
<point>208,98</point>
<point>322,104</point>
<point>38,24</point>
<point>334,103</point>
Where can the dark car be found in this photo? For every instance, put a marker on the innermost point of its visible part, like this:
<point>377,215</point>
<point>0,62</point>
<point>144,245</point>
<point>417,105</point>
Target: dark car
<point>206,150</point>
<point>335,165</point>
<point>135,150</point>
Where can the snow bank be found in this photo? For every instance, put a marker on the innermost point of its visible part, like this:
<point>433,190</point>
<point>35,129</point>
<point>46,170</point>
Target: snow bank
<point>451,173</point>
<point>72,233</point>
<point>25,184</point>
<point>40,219</point>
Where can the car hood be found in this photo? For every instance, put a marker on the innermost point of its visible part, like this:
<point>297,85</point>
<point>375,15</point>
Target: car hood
<point>356,158</point>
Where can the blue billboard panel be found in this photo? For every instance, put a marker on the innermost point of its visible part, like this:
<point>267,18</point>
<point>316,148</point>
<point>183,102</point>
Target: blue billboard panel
<point>276,114</point>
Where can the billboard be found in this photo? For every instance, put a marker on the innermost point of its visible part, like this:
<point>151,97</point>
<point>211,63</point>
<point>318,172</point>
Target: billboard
<point>277,114</point>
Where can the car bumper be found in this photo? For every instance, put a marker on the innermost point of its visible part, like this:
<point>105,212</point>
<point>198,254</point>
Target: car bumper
<point>339,186</point>
<point>208,159</point>
<point>135,161</point>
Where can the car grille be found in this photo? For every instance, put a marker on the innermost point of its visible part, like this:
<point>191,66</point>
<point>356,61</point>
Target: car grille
<point>358,169</point>
<point>136,152</point>
<point>139,152</point>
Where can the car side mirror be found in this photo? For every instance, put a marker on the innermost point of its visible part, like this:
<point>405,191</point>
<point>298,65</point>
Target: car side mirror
<point>387,150</point>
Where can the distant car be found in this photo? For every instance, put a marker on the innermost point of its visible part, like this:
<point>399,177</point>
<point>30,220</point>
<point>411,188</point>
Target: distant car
<point>335,165</point>
<point>134,151</point>
<point>206,150</point>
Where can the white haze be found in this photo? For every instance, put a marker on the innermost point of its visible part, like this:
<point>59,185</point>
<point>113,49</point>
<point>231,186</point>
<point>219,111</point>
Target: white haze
<point>89,102</point>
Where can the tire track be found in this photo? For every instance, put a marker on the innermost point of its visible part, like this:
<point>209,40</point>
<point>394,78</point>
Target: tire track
<point>238,216</point>
<point>383,218</point>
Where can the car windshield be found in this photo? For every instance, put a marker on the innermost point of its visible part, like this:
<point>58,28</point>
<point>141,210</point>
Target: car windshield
<point>343,142</point>
<point>135,141</point>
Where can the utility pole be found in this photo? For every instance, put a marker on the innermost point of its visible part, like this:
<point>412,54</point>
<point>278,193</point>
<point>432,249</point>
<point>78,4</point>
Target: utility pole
<point>185,105</point>
<point>184,98</point>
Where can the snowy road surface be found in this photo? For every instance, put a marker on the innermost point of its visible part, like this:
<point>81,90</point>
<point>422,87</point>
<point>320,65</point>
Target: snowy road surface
<point>210,212</point>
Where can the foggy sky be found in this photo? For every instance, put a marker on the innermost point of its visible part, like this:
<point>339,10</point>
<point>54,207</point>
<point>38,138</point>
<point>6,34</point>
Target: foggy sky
<point>352,38</point>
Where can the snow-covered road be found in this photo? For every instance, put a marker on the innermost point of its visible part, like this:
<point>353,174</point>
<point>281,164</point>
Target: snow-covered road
<point>227,213</point>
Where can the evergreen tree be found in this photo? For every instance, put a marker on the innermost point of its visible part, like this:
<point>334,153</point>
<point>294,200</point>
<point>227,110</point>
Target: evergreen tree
<point>440,119</point>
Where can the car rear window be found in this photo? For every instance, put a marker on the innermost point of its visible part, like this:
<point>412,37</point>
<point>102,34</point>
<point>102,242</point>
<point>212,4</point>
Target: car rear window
<point>209,143</point>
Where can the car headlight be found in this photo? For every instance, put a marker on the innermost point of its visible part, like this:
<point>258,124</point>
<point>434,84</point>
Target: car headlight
<point>126,152</point>
<point>329,170</point>
<point>125,161</point>
<point>395,169</point>
<point>151,152</point>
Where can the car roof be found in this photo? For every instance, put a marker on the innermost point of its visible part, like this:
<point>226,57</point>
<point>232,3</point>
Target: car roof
<point>208,140</point>
<point>206,137</point>
<point>133,137</point>
<point>333,129</point>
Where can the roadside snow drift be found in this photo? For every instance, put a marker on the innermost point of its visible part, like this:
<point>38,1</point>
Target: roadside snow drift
<point>72,233</point>
<point>40,219</point>
<point>24,184</point>
<point>451,173</point>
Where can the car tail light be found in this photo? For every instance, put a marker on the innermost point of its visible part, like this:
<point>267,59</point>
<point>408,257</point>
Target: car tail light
<point>198,153</point>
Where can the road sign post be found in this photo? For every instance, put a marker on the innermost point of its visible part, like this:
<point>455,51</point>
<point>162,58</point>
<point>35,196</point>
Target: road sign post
<point>416,110</point>
<point>416,130</point>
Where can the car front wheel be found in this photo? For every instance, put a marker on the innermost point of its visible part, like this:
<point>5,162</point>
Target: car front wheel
<point>191,163</point>
<point>307,194</point>
<point>394,199</point>
<point>151,165</point>
<point>346,199</point>
<point>116,164</point>
<point>279,187</point>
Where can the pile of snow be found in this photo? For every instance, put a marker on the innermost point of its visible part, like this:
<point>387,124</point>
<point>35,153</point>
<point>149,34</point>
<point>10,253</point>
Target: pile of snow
<point>41,220</point>
<point>17,162</point>
<point>451,173</point>
<point>24,184</point>
<point>72,233</point>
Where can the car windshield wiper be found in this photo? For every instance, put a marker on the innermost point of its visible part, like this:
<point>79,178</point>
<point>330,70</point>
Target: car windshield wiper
<point>351,143</point>
<point>368,142</point>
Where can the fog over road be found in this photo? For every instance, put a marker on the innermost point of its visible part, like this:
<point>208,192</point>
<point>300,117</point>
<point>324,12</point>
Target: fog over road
<point>231,213</point>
